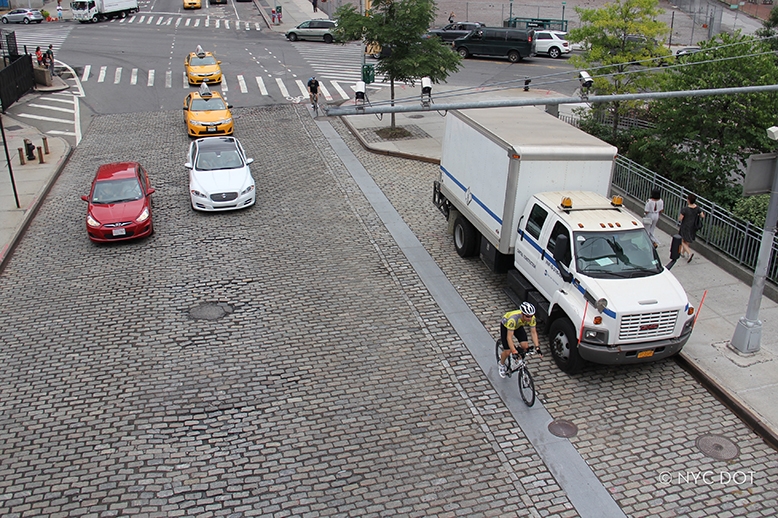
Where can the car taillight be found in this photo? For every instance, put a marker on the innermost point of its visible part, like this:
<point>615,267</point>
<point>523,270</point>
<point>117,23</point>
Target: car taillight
<point>529,39</point>
<point>565,44</point>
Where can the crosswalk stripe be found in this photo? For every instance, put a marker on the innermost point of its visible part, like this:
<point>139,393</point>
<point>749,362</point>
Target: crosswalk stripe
<point>325,92</point>
<point>225,87</point>
<point>134,76</point>
<point>101,75</point>
<point>65,133</point>
<point>169,78</point>
<point>64,100</point>
<point>52,108</point>
<point>151,78</point>
<point>186,81</point>
<point>242,85</point>
<point>340,90</point>
<point>282,87</point>
<point>85,75</point>
<point>303,88</point>
<point>187,22</point>
<point>197,22</point>
<point>261,85</point>
<point>117,77</point>
<point>44,118</point>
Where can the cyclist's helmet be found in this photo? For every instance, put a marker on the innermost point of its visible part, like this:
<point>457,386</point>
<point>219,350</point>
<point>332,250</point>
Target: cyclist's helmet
<point>527,309</point>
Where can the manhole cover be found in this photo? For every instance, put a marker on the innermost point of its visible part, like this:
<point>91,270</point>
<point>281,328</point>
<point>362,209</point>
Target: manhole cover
<point>717,447</point>
<point>210,311</point>
<point>416,116</point>
<point>562,428</point>
<point>13,128</point>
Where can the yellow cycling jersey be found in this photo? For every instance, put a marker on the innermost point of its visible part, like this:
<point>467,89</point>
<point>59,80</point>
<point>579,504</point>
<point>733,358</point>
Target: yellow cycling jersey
<point>512,320</point>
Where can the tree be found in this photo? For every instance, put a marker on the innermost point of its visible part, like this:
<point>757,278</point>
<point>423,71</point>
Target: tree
<point>623,41</point>
<point>704,142</point>
<point>399,26</point>
<point>768,29</point>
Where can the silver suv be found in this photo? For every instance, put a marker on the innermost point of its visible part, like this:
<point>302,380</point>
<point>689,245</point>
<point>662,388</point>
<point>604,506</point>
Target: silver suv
<point>320,30</point>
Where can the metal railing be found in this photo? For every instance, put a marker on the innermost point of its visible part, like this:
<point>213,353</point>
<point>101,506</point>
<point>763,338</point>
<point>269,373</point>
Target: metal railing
<point>736,238</point>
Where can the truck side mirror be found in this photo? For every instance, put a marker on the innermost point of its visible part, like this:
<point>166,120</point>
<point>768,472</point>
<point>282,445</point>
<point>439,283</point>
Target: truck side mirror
<point>561,252</point>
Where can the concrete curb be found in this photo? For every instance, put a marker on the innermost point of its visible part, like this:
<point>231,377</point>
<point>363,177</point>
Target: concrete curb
<point>385,152</point>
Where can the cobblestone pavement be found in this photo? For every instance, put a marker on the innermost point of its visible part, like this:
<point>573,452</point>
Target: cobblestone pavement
<point>285,360</point>
<point>637,425</point>
<point>282,360</point>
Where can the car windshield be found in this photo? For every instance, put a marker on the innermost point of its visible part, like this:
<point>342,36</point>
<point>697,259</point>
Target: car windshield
<point>201,62</point>
<point>203,105</point>
<point>605,255</point>
<point>214,160</point>
<point>116,191</point>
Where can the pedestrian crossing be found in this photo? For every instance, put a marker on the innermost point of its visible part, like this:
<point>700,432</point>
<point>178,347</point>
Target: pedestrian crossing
<point>194,22</point>
<point>51,34</point>
<point>339,62</point>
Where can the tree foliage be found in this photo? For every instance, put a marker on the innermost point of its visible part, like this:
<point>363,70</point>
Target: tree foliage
<point>623,41</point>
<point>399,26</point>
<point>704,142</point>
<point>768,31</point>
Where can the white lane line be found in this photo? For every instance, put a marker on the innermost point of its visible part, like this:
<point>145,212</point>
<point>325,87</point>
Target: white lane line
<point>101,75</point>
<point>85,75</point>
<point>282,87</point>
<point>224,86</point>
<point>261,85</point>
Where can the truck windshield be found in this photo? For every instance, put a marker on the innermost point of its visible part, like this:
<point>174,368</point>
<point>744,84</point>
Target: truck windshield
<point>623,254</point>
<point>78,6</point>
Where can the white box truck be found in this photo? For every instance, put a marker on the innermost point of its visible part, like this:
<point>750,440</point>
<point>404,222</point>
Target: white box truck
<point>529,193</point>
<point>95,10</point>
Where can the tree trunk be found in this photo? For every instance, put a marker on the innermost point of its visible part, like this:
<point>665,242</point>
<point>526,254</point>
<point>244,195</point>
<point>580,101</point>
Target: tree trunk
<point>391,94</point>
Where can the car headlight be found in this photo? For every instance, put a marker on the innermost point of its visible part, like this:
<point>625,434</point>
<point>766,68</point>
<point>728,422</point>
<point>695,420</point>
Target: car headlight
<point>198,193</point>
<point>595,336</point>
<point>92,222</point>
<point>247,190</point>
<point>143,215</point>
<point>196,123</point>
<point>225,121</point>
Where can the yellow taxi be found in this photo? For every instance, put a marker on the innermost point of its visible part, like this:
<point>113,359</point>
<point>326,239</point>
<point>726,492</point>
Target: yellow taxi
<point>202,67</point>
<point>192,4</point>
<point>206,113</point>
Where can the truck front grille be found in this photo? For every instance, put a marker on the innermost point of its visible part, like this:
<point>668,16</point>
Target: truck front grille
<point>648,325</point>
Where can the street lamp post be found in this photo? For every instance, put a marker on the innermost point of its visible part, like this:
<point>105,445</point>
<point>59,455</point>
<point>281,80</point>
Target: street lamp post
<point>563,11</point>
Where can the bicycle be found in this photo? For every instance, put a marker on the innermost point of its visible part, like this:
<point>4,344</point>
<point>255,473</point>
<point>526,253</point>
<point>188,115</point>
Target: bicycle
<point>515,363</point>
<point>315,103</point>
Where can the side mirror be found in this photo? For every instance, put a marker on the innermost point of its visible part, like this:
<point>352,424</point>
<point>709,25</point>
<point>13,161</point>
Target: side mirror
<point>151,191</point>
<point>229,106</point>
<point>249,161</point>
<point>85,197</point>
<point>188,165</point>
<point>561,250</point>
<point>185,108</point>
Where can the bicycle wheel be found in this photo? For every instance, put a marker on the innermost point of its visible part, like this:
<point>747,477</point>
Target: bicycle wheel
<point>498,349</point>
<point>526,386</point>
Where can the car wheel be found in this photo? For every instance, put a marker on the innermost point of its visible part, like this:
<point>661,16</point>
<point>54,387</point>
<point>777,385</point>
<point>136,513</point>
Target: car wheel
<point>292,36</point>
<point>123,14</point>
<point>26,21</point>
<point>465,237</point>
<point>564,346</point>
<point>463,52</point>
<point>514,56</point>
<point>554,53</point>
<point>5,20</point>
<point>327,38</point>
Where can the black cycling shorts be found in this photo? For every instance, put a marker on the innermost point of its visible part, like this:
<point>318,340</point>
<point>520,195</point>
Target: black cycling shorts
<point>519,333</point>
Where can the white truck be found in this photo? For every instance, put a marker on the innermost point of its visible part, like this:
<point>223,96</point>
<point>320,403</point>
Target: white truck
<point>95,10</point>
<point>528,192</point>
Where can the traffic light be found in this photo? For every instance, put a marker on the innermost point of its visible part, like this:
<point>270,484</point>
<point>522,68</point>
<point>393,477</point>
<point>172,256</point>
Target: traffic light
<point>368,73</point>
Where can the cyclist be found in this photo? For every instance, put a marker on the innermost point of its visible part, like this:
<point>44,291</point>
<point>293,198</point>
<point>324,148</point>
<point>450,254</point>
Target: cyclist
<point>313,90</point>
<point>512,327</point>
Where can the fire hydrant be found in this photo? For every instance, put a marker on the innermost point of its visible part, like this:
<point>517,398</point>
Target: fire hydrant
<point>29,147</point>
<point>273,16</point>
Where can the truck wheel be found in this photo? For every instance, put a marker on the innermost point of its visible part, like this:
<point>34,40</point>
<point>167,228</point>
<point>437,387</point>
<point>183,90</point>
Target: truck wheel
<point>564,346</point>
<point>554,53</point>
<point>465,237</point>
<point>123,14</point>
<point>514,56</point>
<point>463,52</point>
<point>94,19</point>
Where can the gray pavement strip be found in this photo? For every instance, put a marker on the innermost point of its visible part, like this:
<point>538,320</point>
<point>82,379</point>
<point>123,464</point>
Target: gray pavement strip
<point>576,478</point>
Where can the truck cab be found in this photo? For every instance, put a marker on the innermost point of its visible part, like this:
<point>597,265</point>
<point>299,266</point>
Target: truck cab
<point>591,269</point>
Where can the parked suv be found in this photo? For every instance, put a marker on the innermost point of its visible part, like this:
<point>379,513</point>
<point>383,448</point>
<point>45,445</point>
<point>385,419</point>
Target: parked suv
<point>312,30</point>
<point>23,15</point>
<point>456,30</point>
<point>552,43</point>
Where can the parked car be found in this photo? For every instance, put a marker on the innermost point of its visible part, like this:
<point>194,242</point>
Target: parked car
<point>320,30</point>
<point>119,203</point>
<point>687,51</point>
<point>24,16</point>
<point>515,44</point>
<point>219,175</point>
<point>551,43</point>
<point>456,30</point>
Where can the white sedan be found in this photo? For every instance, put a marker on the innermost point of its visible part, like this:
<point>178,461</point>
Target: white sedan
<point>219,175</point>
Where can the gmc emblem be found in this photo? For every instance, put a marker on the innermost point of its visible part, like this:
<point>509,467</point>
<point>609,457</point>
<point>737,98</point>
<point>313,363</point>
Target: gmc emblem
<point>649,327</point>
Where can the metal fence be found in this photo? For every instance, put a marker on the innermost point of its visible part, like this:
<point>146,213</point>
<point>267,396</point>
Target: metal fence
<point>736,238</point>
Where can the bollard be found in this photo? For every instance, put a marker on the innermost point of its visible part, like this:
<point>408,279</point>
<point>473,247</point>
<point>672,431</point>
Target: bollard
<point>40,155</point>
<point>21,155</point>
<point>46,145</point>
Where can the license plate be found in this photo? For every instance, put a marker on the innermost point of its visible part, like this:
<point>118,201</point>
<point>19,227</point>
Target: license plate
<point>119,232</point>
<point>646,354</point>
<point>211,129</point>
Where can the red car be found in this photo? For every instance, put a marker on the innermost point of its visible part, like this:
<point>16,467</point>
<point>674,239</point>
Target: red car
<point>119,203</point>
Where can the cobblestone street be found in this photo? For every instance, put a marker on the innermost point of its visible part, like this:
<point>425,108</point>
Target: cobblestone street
<point>286,360</point>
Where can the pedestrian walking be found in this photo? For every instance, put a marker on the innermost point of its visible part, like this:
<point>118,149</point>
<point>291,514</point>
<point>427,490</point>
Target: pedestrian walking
<point>39,56</point>
<point>654,207</point>
<point>315,5</point>
<point>50,59</point>
<point>691,221</point>
<point>451,17</point>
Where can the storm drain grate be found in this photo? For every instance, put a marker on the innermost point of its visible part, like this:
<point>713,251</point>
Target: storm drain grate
<point>210,311</point>
<point>416,116</point>
<point>562,428</point>
<point>717,447</point>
